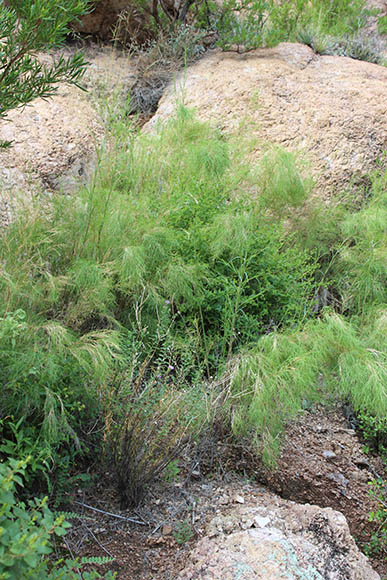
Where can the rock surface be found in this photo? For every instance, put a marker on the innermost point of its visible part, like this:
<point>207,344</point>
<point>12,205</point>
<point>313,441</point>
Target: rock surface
<point>332,109</point>
<point>115,19</point>
<point>275,539</point>
<point>322,463</point>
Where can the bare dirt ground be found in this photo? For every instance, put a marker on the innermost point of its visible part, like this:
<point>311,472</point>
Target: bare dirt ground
<point>322,463</point>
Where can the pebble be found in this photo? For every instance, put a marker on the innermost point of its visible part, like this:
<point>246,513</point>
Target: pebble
<point>329,455</point>
<point>167,530</point>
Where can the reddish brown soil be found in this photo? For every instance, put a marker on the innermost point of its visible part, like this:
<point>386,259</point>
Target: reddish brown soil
<point>322,463</point>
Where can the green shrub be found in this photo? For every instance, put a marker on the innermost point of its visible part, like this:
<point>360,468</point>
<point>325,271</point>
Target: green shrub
<point>154,245</point>
<point>335,357</point>
<point>241,25</point>
<point>336,18</point>
<point>252,23</point>
<point>360,270</point>
<point>378,542</point>
<point>374,431</point>
<point>26,533</point>
<point>46,370</point>
<point>118,303</point>
<point>162,259</point>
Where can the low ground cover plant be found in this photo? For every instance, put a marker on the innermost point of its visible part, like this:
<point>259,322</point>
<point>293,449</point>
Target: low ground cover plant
<point>378,542</point>
<point>27,532</point>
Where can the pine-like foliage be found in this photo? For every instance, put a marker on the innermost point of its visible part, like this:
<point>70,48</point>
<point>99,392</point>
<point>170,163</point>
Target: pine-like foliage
<point>27,27</point>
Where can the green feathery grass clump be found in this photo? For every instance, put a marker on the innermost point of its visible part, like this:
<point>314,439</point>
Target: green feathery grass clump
<point>336,357</point>
<point>155,274</point>
<point>181,265</point>
<point>329,360</point>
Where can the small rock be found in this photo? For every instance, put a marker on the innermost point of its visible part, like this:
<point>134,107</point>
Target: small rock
<point>361,462</point>
<point>329,455</point>
<point>167,530</point>
<point>261,521</point>
<point>239,499</point>
<point>229,525</point>
<point>246,523</point>
<point>342,479</point>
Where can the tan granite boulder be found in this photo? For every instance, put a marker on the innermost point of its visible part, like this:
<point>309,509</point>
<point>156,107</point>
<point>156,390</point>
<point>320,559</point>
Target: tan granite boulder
<point>55,141</point>
<point>331,109</point>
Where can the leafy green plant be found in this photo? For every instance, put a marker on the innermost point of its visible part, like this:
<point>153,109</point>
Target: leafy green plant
<point>242,24</point>
<point>333,357</point>
<point>27,532</point>
<point>27,27</point>
<point>18,441</point>
<point>378,542</point>
<point>172,471</point>
<point>374,431</point>
<point>360,270</point>
<point>183,532</point>
<point>382,24</point>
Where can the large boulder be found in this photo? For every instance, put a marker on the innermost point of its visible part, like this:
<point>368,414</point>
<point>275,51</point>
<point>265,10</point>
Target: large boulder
<point>277,539</point>
<point>55,141</point>
<point>331,109</point>
<point>116,19</point>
